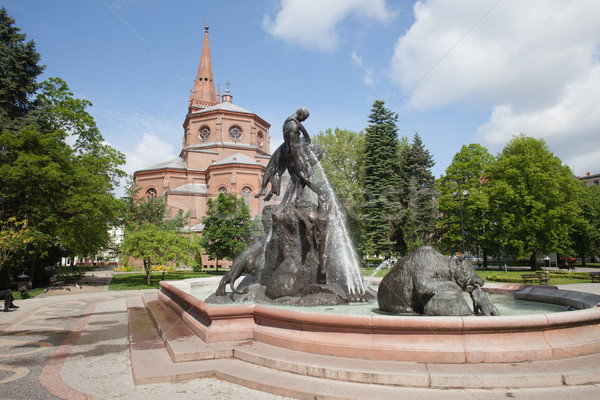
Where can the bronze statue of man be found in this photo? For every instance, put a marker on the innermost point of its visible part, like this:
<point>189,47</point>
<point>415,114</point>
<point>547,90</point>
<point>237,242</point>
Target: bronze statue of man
<point>293,154</point>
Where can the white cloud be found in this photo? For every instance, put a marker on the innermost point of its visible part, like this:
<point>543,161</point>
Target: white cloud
<point>312,24</point>
<point>149,151</point>
<point>571,127</point>
<point>358,61</point>
<point>534,63</point>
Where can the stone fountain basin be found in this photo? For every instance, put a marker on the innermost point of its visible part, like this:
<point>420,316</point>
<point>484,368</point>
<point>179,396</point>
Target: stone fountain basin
<point>471,339</point>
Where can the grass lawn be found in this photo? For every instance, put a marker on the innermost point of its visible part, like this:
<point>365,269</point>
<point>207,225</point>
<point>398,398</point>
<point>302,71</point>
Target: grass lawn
<point>515,277</point>
<point>28,294</point>
<point>137,280</point>
<point>381,273</point>
<point>501,276</point>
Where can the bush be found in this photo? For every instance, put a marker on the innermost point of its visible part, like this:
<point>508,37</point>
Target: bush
<point>570,275</point>
<point>505,279</point>
<point>124,268</point>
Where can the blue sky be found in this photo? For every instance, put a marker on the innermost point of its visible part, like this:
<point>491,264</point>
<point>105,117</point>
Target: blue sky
<point>457,72</point>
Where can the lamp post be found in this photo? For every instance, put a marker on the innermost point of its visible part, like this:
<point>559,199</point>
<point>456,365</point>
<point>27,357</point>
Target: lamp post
<point>459,196</point>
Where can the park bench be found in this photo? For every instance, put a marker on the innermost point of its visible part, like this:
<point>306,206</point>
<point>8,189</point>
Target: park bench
<point>55,283</point>
<point>595,276</point>
<point>532,278</point>
<point>566,266</point>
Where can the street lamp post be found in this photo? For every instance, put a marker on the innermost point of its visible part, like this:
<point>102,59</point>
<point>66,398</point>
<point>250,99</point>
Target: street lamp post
<point>459,196</point>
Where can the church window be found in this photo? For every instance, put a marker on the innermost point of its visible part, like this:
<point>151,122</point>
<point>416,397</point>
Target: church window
<point>247,196</point>
<point>235,133</point>
<point>260,139</point>
<point>150,194</point>
<point>223,190</point>
<point>204,133</point>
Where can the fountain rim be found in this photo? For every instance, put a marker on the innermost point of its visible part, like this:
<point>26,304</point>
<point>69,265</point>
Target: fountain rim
<point>538,321</point>
<point>442,339</point>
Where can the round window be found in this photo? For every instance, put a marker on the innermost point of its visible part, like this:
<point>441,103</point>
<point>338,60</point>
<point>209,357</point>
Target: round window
<point>204,133</point>
<point>235,133</point>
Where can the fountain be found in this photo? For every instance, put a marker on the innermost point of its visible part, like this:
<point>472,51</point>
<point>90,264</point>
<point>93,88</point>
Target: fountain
<point>295,265</point>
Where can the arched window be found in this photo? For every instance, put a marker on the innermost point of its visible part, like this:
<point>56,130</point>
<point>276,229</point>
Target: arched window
<point>247,196</point>
<point>235,133</point>
<point>150,194</point>
<point>223,190</point>
<point>260,139</point>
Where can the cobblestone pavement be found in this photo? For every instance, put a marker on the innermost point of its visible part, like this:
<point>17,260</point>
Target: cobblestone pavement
<point>75,346</point>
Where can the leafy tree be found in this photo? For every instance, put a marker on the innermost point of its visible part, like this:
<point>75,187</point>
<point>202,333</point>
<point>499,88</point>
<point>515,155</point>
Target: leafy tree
<point>154,245</point>
<point>18,71</point>
<point>470,166</point>
<point>419,224</point>
<point>343,163</point>
<point>586,235</point>
<point>151,236</point>
<point>64,192</point>
<point>14,236</point>
<point>382,206</point>
<point>153,211</point>
<point>533,198</point>
<point>90,208</point>
<point>226,225</point>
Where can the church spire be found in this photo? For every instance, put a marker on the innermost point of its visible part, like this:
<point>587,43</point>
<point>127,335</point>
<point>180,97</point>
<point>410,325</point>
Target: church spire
<point>203,94</point>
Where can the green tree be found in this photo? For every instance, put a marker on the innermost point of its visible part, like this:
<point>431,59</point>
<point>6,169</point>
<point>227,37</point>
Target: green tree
<point>382,206</point>
<point>533,197</point>
<point>64,192</point>
<point>419,223</point>
<point>226,226</point>
<point>155,246</point>
<point>90,208</point>
<point>586,235</point>
<point>18,71</point>
<point>343,163</point>
<point>14,235</point>
<point>153,237</point>
<point>470,166</point>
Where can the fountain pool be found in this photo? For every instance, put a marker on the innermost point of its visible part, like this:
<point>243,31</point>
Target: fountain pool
<point>506,304</point>
<point>444,339</point>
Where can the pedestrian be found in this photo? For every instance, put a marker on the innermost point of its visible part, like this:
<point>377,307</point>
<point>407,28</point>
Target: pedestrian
<point>6,295</point>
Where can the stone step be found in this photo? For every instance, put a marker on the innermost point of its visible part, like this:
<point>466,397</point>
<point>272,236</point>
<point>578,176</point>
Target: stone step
<point>309,376</point>
<point>180,341</point>
<point>555,373</point>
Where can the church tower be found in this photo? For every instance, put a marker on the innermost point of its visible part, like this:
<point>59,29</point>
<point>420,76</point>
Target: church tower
<point>203,93</point>
<point>225,148</point>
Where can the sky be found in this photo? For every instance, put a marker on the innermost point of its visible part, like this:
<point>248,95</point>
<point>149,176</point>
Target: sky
<point>457,72</point>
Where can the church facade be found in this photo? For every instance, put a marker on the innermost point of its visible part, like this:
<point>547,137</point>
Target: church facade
<point>225,148</point>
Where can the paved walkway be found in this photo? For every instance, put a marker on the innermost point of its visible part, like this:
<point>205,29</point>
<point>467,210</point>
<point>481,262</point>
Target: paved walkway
<point>75,346</point>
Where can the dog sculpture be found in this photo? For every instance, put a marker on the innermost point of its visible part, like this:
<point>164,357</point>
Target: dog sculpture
<point>249,262</point>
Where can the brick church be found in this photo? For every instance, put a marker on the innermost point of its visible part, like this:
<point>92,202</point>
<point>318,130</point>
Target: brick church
<point>225,148</point>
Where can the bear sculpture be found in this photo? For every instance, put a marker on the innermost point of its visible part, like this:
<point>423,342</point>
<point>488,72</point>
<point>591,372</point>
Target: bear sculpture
<point>427,282</point>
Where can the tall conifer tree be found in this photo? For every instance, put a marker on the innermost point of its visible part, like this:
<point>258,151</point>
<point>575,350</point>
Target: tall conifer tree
<point>18,71</point>
<point>421,215</point>
<point>382,209</point>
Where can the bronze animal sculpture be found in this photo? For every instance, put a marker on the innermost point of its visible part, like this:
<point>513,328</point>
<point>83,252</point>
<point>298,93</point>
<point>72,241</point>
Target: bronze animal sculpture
<point>249,262</point>
<point>427,282</point>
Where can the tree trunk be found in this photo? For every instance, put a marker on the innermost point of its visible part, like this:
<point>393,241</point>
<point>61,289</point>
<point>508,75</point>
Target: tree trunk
<point>532,262</point>
<point>72,259</point>
<point>485,261</point>
<point>582,256</point>
<point>147,266</point>
<point>217,264</point>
